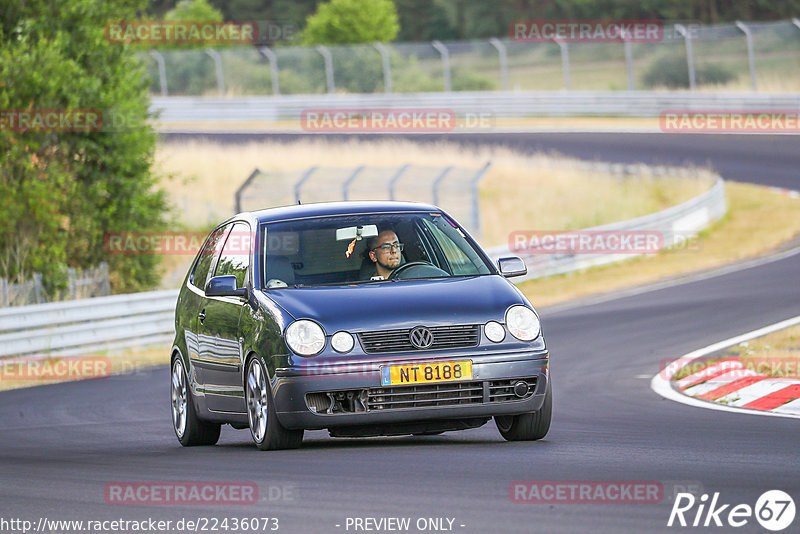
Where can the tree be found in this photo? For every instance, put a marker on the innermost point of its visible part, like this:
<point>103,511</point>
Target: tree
<point>352,21</point>
<point>64,189</point>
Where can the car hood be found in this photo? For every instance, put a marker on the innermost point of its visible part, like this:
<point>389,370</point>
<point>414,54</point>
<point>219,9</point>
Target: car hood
<point>401,304</point>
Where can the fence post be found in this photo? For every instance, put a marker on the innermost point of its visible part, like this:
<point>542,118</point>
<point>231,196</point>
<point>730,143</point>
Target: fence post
<point>750,52</point>
<point>3,292</point>
<point>437,181</point>
<point>72,286</point>
<point>350,180</point>
<point>105,283</point>
<point>681,29</point>
<point>442,49</point>
<point>629,62</point>
<point>326,56</point>
<point>273,68</point>
<point>245,185</point>
<point>38,293</point>
<point>476,209</point>
<point>162,71</point>
<point>387,66</point>
<point>564,62</point>
<point>218,67</point>
<point>299,184</point>
<point>503,56</point>
<point>395,179</point>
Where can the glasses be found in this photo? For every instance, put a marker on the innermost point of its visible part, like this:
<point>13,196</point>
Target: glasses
<point>386,247</point>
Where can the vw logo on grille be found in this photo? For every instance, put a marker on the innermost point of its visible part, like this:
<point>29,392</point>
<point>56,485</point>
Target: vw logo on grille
<point>421,337</point>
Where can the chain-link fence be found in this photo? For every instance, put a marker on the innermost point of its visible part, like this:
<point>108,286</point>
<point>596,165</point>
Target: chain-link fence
<point>763,56</point>
<point>455,189</point>
<point>81,284</point>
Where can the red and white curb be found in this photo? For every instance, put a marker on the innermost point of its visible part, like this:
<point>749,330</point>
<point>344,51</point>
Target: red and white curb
<point>729,386</point>
<point>787,192</point>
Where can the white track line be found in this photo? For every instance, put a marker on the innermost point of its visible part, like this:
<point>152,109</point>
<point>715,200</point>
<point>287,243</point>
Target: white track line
<point>662,386</point>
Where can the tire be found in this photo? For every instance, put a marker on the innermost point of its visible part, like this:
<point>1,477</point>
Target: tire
<point>267,432</point>
<point>527,426</point>
<point>189,429</point>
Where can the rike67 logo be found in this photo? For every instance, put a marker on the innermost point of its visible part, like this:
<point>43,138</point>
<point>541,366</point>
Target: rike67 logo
<point>774,510</point>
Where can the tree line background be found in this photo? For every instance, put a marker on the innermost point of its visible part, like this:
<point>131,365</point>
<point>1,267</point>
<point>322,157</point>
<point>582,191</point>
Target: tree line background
<point>425,20</point>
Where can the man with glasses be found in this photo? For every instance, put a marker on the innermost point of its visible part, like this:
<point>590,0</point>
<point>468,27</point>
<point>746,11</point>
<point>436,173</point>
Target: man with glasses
<point>385,251</point>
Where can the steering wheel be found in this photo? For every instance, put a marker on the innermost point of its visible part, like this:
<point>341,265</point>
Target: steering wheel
<point>427,266</point>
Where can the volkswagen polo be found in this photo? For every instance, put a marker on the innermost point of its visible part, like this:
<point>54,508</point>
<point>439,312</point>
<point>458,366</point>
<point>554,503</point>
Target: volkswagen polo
<point>362,318</point>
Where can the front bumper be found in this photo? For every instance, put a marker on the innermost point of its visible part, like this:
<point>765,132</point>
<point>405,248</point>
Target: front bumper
<point>491,372</point>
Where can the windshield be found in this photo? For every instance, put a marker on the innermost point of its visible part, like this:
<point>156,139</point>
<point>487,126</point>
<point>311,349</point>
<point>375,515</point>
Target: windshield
<point>366,248</point>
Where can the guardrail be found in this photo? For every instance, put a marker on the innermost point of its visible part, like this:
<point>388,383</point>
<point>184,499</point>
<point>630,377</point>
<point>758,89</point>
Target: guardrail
<point>676,225</point>
<point>76,327</point>
<point>147,319</point>
<point>179,113</point>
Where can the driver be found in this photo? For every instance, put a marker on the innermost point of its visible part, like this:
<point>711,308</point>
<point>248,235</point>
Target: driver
<point>384,251</point>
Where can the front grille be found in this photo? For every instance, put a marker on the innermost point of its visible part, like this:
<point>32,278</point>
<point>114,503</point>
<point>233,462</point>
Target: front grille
<point>418,396</point>
<point>450,394</point>
<point>444,337</point>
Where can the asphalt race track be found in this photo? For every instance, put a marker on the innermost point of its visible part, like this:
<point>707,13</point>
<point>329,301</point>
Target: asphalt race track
<point>60,445</point>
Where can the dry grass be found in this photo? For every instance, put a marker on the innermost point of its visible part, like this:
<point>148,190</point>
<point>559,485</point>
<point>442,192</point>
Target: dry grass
<point>776,354</point>
<point>758,220</point>
<point>518,193</point>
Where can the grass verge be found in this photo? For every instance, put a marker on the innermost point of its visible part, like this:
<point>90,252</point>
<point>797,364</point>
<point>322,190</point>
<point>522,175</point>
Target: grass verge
<point>758,220</point>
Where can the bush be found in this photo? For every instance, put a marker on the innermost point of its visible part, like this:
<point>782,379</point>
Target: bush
<point>63,191</point>
<point>672,71</point>
<point>351,22</point>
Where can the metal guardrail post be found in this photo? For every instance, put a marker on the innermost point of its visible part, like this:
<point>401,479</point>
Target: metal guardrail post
<point>442,49</point>
<point>476,209</point>
<point>750,52</point>
<point>396,178</point>
<point>681,29</point>
<point>326,56</point>
<point>162,71</point>
<point>564,62</point>
<point>218,67</point>
<point>629,63</point>
<point>437,181</point>
<point>273,68</point>
<point>301,181</point>
<point>503,56</point>
<point>387,66</point>
<point>349,181</point>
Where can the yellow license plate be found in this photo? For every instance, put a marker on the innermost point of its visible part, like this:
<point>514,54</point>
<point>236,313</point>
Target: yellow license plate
<point>425,373</point>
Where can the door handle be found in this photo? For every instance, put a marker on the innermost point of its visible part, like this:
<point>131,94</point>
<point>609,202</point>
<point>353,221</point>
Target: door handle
<point>202,316</point>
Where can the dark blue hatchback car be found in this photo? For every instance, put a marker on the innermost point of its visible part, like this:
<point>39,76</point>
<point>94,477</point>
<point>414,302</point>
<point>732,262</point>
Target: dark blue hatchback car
<point>363,318</point>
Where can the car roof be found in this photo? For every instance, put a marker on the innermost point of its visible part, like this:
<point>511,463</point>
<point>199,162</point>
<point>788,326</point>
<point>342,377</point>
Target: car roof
<point>322,209</point>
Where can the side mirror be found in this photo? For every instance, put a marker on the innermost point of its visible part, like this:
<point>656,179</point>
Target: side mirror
<point>511,266</point>
<point>225,286</point>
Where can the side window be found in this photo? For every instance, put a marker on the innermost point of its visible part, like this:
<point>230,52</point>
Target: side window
<point>204,259</point>
<point>235,257</point>
<point>458,261</point>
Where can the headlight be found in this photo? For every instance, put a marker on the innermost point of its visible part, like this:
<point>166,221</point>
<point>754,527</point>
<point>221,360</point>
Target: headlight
<point>305,337</point>
<point>494,331</point>
<point>523,323</point>
<point>342,342</point>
